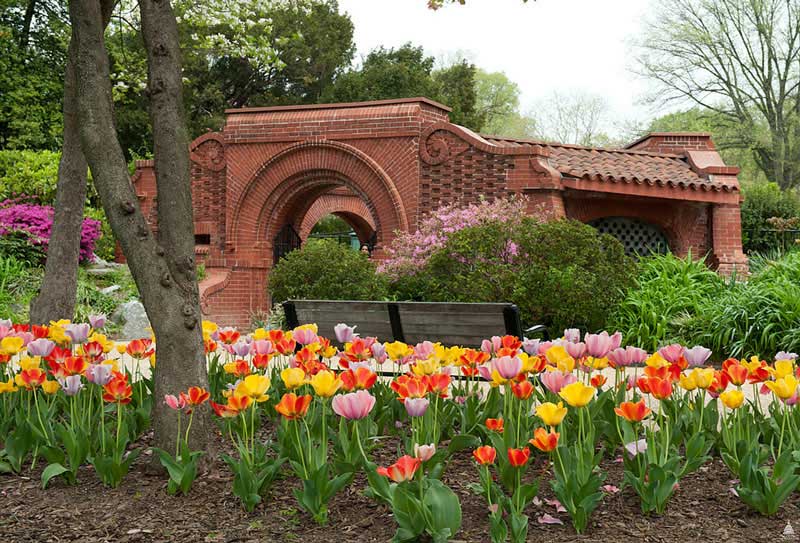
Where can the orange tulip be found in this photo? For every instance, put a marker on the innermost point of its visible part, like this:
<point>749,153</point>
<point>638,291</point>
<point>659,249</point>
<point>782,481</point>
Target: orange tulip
<point>438,383</point>
<point>402,470</point>
<point>117,391</point>
<point>633,412</point>
<point>544,441</point>
<point>519,457</point>
<point>196,396</point>
<point>32,378</point>
<point>522,390</point>
<point>261,361</point>
<point>495,425</point>
<point>737,373</point>
<point>229,335</point>
<point>361,378</point>
<point>485,455</point>
<point>471,357</point>
<point>235,405</point>
<point>140,348</point>
<point>598,380</point>
<point>74,365</point>
<point>659,388</point>
<point>292,406</point>
<point>210,346</point>
<point>409,386</point>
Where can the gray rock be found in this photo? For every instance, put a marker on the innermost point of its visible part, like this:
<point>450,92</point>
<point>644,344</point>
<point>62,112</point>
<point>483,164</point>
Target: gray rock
<point>100,271</point>
<point>132,319</point>
<point>109,290</point>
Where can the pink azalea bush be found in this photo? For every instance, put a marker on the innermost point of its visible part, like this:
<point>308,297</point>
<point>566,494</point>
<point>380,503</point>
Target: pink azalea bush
<point>35,222</point>
<point>410,251</point>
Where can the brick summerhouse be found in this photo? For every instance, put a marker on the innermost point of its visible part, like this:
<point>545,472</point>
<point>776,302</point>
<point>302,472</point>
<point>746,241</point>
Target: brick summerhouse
<point>262,182</point>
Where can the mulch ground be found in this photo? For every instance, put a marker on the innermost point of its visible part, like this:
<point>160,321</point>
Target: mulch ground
<point>703,509</point>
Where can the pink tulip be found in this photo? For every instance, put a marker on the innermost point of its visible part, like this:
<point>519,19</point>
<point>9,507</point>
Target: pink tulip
<point>41,347</point>
<point>616,340</point>
<point>544,345</point>
<point>174,402</point>
<point>671,353</point>
<point>485,371</point>
<point>575,350</point>
<point>262,346</point>
<point>344,333</point>
<point>508,367</point>
<point>353,406</point>
<point>304,336</point>
<point>696,356</point>
<point>628,356</point>
<point>598,345</point>
<point>531,346</point>
<point>379,352</point>
<point>416,407</point>
<point>556,380</point>
<point>97,321</point>
<point>423,351</point>
<point>572,335</point>
<point>424,452</point>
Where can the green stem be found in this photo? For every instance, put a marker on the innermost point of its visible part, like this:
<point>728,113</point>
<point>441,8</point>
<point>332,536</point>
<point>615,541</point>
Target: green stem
<point>178,437</point>
<point>39,416</point>
<point>119,429</point>
<point>300,448</point>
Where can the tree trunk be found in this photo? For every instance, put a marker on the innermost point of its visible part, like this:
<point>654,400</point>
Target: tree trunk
<point>56,299</point>
<point>163,269</point>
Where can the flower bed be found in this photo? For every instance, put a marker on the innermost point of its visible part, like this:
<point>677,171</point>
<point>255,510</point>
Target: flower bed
<point>507,442</point>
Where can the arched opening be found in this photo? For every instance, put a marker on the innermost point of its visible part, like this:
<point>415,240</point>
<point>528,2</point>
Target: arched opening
<point>639,238</point>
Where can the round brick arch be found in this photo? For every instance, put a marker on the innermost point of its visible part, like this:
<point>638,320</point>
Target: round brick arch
<point>349,207</point>
<point>285,187</point>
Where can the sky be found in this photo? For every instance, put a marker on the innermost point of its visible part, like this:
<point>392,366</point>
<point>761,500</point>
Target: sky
<point>544,45</point>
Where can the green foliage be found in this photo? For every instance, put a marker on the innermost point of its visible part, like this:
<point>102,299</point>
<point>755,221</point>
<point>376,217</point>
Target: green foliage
<point>763,201</point>
<point>18,282</point>
<point>325,270</point>
<point>498,106</point>
<point>561,273</point>
<point>17,246</point>
<point>682,300</point>
<point>31,173</point>
<point>667,289</point>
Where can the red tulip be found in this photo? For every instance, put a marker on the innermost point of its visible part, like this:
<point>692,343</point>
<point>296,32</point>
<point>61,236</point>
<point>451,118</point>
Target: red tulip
<point>402,470</point>
<point>361,378</point>
<point>543,440</point>
<point>522,390</point>
<point>292,406</point>
<point>485,455</point>
<point>632,412</point>
<point>117,391</point>
<point>519,457</point>
<point>495,425</point>
<point>196,396</point>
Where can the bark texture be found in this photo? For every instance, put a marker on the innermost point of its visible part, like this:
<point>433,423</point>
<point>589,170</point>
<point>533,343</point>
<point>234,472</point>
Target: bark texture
<point>56,299</point>
<point>163,268</point>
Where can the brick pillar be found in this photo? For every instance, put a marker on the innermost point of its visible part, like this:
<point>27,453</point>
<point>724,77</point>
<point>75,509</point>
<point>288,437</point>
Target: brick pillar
<point>726,228</point>
<point>546,203</point>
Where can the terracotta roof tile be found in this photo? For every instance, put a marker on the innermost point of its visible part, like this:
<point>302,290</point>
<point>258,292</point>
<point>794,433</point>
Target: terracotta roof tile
<point>623,166</point>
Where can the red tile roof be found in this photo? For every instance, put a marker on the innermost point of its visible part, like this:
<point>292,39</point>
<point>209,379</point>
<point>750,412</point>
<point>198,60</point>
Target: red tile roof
<point>623,166</point>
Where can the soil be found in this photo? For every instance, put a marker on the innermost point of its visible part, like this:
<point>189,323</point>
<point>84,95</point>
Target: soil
<point>140,510</point>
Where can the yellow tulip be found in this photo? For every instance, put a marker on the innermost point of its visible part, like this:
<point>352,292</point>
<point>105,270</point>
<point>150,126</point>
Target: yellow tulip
<point>559,357</point>
<point>29,362</point>
<point>11,345</point>
<point>259,334</point>
<point>577,394</point>
<point>102,340</point>
<point>7,386</point>
<point>783,368</point>
<point>447,356</point>
<point>655,360</point>
<point>398,350</point>
<point>153,360</point>
<point>688,382</point>
<point>497,380</point>
<point>57,333</point>
<point>733,399</point>
<point>293,377</point>
<point>312,327</point>
<point>325,383</point>
<point>703,377</point>
<point>121,347</point>
<point>50,387</point>
<point>784,388</point>
<point>551,414</point>
<point>597,363</point>
<point>426,367</point>
<point>254,387</point>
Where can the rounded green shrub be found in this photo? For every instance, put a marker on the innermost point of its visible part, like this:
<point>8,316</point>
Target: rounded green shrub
<point>763,201</point>
<point>325,270</point>
<point>561,273</point>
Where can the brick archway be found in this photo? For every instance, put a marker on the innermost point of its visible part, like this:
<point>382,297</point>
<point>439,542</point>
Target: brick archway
<point>285,187</point>
<point>347,206</point>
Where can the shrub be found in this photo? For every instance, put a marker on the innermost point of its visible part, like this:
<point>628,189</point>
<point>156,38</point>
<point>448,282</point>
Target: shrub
<point>763,201</point>
<point>666,290</point>
<point>325,270</point>
<point>32,223</point>
<point>561,273</point>
<point>34,173</point>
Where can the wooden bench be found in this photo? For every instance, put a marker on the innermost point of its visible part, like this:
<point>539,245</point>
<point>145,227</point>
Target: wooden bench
<point>464,324</point>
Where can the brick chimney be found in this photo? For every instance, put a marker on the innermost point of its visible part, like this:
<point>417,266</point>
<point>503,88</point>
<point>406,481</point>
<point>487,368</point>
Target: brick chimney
<point>675,143</point>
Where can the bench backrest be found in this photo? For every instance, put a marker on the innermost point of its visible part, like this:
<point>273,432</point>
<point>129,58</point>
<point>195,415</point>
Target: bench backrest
<point>464,324</point>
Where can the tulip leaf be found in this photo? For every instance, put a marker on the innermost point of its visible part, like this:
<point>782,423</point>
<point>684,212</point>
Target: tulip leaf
<point>52,470</point>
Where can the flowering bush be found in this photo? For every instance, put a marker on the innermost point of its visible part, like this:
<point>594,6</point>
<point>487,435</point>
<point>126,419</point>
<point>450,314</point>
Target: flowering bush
<point>33,222</point>
<point>409,251</point>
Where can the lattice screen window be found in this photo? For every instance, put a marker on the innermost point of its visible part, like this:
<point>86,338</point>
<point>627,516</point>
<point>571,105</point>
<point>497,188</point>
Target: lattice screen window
<point>638,238</point>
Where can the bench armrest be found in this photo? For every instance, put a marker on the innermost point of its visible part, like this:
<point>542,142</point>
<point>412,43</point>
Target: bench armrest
<point>537,329</point>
